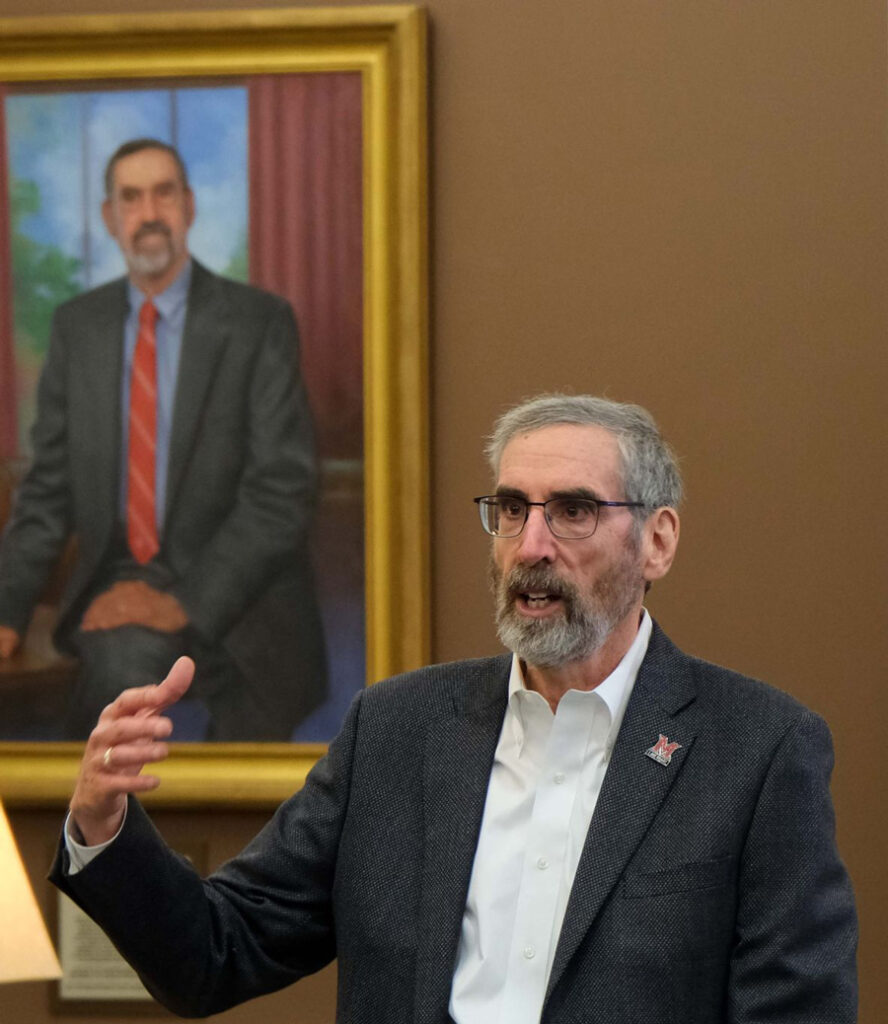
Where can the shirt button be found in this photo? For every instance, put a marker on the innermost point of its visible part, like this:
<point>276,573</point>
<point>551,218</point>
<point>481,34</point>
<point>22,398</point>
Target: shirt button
<point>529,952</point>
<point>559,778</point>
<point>542,863</point>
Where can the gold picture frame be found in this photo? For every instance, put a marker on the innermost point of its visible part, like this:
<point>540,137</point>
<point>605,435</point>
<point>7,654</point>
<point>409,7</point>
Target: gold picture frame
<point>387,46</point>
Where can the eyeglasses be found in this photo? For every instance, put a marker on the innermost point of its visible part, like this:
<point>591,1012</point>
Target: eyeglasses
<point>504,515</point>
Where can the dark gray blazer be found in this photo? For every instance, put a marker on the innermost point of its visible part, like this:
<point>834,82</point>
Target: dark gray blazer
<point>241,487</point>
<point>709,890</point>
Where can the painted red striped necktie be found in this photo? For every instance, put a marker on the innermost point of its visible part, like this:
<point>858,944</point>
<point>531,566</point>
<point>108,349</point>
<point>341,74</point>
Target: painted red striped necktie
<point>141,525</point>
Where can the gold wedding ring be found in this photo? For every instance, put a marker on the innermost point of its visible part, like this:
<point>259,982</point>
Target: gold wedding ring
<point>106,757</point>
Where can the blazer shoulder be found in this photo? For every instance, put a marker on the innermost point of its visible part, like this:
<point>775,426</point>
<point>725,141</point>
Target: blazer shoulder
<point>728,685</point>
<point>461,686</point>
<point>97,300</point>
<point>724,693</point>
<point>763,708</point>
<point>245,299</point>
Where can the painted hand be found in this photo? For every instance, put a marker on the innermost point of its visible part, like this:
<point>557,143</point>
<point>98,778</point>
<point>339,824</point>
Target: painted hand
<point>134,603</point>
<point>9,641</point>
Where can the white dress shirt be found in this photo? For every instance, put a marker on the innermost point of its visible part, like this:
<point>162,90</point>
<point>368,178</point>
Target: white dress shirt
<point>547,773</point>
<point>80,855</point>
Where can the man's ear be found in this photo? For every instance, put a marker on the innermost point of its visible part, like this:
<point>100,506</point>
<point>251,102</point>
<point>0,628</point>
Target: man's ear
<point>190,207</point>
<point>108,218</point>
<point>659,542</point>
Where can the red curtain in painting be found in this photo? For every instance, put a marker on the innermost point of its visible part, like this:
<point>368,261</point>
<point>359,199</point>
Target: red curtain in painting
<point>305,240</point>
<point>8,399</point>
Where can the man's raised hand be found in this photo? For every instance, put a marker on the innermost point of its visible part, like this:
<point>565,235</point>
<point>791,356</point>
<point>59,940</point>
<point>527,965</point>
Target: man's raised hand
<point>130,733</point>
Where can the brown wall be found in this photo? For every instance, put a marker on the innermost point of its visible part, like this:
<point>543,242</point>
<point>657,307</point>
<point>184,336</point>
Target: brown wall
<point>681,203</point>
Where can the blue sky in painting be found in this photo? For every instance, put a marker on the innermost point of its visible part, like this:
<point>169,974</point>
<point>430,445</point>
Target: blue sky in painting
<point>62,141</point>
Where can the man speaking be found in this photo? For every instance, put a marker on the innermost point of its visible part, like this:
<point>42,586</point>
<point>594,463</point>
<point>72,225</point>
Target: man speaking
<point>595,828</point>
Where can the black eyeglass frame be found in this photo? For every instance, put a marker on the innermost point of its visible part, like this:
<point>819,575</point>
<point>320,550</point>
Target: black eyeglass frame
<point>490,499</point>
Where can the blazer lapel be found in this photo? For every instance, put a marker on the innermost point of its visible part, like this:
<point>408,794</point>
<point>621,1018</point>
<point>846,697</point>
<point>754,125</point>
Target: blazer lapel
<point>458,758</point>
<point>101,356</point>
<point>634,788</point>
<point>203,341</point>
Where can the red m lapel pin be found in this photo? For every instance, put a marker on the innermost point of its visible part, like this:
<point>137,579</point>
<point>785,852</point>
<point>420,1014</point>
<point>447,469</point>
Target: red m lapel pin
<point>662,750</point>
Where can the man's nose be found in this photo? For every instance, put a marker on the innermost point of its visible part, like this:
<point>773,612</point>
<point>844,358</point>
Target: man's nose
<point>536,541</point>
<point>148,207</point>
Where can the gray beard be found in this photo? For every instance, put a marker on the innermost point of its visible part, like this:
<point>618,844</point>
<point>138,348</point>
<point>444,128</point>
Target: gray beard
<point>153,262</point>
<point>588,620</point>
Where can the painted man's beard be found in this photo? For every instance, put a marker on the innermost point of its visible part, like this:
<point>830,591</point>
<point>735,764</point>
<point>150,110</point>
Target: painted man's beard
<point>151,261</point>
<point>587,618</point>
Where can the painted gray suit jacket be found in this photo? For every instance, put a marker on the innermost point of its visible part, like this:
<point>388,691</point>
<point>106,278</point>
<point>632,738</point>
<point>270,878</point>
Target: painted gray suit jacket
<point>241,487</point>
<point>709,890</point>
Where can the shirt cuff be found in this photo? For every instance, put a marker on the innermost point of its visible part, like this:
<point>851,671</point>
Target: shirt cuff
<point>80,855</point>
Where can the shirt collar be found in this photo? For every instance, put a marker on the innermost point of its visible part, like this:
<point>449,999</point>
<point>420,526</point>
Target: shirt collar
<point>168,302</point>
<point>615,690</point>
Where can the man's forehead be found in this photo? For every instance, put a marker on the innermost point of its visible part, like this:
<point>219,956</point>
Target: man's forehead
<point>560,457</point>
<point>145,166</point>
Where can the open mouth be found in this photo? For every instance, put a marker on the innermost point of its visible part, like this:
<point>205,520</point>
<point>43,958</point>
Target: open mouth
<point>533,592</point>
<point>538,601</point>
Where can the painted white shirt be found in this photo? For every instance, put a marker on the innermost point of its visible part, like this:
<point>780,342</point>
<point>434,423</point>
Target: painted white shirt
<point>547,773</point>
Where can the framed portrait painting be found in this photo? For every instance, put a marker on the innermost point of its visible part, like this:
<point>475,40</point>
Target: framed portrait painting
<point>303,132</point>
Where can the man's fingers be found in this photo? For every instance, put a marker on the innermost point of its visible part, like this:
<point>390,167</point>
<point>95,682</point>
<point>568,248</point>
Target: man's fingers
<point>129,758</point>
<point>176,684</point>
<point>131,729</point>
<point>130,702</point>
<point>152,699</point>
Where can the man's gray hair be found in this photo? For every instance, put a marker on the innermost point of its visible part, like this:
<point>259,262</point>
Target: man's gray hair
<point>136,146</point>
<point>649,465</point>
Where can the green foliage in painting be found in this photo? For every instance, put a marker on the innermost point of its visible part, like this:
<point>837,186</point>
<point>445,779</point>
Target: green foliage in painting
<point>42,275</point>
<point>238,267</point>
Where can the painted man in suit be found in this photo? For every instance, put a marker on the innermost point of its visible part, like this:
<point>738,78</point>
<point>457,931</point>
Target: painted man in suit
<point>594,828</point>
<point>201,549</point>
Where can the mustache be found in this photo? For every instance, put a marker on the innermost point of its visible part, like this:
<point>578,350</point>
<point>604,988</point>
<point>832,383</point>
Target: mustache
<point>151,227</point>
<point>522,579</point>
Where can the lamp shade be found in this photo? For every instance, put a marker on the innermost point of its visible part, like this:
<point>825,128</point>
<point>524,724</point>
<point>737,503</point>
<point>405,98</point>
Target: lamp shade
<point>26,952</point>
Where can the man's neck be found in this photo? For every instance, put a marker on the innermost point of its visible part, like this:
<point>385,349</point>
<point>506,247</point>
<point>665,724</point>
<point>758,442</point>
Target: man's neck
<point>553,682</point>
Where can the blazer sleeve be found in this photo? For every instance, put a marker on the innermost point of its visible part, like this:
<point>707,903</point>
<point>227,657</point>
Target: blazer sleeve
<point>267,524</point>
<point>40,521</point>
<point>259,923</point>
<point>796,927</point>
